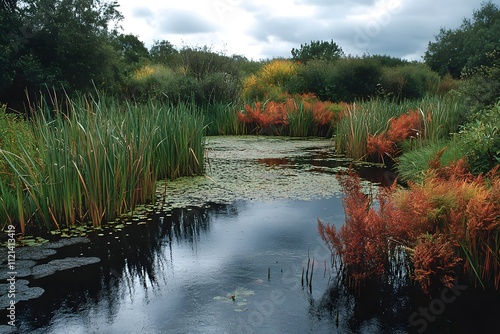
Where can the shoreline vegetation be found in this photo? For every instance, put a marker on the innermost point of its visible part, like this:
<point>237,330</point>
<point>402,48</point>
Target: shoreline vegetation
<point>95,147</point>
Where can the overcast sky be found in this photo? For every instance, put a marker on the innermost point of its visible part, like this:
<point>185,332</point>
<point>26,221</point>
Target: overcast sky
<point>265,29</point>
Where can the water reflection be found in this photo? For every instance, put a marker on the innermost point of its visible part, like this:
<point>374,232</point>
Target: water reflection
<point>325,162</point>
<point>137,260</point>
<point>176,272</point>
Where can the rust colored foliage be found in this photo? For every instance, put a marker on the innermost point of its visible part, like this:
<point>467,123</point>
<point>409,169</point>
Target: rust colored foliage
<point>409,125</point>
<point>271,113</point>
<point>434,262</point>
<point>361,243</point>
<point>379,146</point>
<point>449,227</point>
<point>276,113</point>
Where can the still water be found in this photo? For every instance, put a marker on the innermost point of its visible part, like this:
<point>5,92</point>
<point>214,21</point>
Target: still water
<point>243,267</point>
<point>228,269</point>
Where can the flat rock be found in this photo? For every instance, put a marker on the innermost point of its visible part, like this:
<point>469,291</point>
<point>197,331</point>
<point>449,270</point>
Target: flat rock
<point>22,269</point>
<point>50,268</point>
<point>22,292</point>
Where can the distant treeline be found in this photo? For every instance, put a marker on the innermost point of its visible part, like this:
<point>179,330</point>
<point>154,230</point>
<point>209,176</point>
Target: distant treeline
<point>75,46</point>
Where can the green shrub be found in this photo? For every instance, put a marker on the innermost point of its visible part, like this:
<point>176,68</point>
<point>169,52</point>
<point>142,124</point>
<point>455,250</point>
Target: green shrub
<point>218,87</point>
<point>151,82</point>
<point>353,79</point>
<point>161,83</point>
<point>410,81</point>
<point>347,79</point>
<point>314,77</point>
<point>480,139</point>
<point>481,86</point>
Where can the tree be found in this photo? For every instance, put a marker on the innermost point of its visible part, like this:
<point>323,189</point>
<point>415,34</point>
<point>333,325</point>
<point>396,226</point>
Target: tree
<point>131,49</point>
<point>467,46</point>
<point>8,25</point>
<point>317,50</point>
<point>59,43</point>
<point>163,52</point>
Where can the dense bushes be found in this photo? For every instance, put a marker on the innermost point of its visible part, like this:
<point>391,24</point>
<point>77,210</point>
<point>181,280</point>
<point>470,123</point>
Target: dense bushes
<point>480,139</point>
<point>344,79</point>
<point>161,83</point>
<point>411,81</point>
<point>272,80</point>
<point>432,233</point>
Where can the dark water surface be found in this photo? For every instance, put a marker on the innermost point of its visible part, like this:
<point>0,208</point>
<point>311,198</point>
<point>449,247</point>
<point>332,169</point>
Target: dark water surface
<point>179,273</point>
<point>238,268</point>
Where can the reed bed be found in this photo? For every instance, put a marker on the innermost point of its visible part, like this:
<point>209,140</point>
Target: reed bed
<point>98,159</point>
<point>440,117</point>
<point>300,121</point>
<point>222,119</point>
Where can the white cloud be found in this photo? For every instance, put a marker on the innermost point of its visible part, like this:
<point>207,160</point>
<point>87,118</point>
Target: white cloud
<point>266,29</point>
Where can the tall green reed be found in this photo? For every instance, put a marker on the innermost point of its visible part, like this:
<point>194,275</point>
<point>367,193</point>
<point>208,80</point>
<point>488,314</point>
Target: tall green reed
<point>300,121</point>
<point>222,119</point>
<point>98,159</point>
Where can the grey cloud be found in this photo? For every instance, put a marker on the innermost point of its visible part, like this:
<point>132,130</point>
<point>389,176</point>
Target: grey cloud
<point>184,22</point>
<point>142,12</point>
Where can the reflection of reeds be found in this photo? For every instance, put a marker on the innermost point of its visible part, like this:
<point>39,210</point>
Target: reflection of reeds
<point>98,159</point>
<point>308,276</point>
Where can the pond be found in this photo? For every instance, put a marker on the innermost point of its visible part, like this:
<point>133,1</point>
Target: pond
<point>232,252</point>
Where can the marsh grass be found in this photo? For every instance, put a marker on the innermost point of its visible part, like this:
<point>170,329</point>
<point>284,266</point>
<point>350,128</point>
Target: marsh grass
<point>98,159</point>
<point>300,121</point>
<point>415,161</point>
<point>222,119</point>
<point>441,117</point>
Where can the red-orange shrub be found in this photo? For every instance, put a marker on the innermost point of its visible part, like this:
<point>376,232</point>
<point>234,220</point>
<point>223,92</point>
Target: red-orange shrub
<point>379,146</point>
<point>434,262</point>
<point>452,218</point>
<point>273,114</point>
<point>410,125</point>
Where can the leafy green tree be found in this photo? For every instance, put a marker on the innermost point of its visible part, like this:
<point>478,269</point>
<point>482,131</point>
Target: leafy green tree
<point>59,43</point>
<point>131,49</point>
<point>317,50</point>
<point>467,46</point>
<point>163,52</point>
<point>8,25</point>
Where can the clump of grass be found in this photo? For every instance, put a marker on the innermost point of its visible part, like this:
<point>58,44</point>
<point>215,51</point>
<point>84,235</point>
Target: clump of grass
<point>363,121</point>
<point>300,121</point>
<point>359,121</point>
<point>415,161</point>
<point>222,119</point>
<point>98,159</point>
